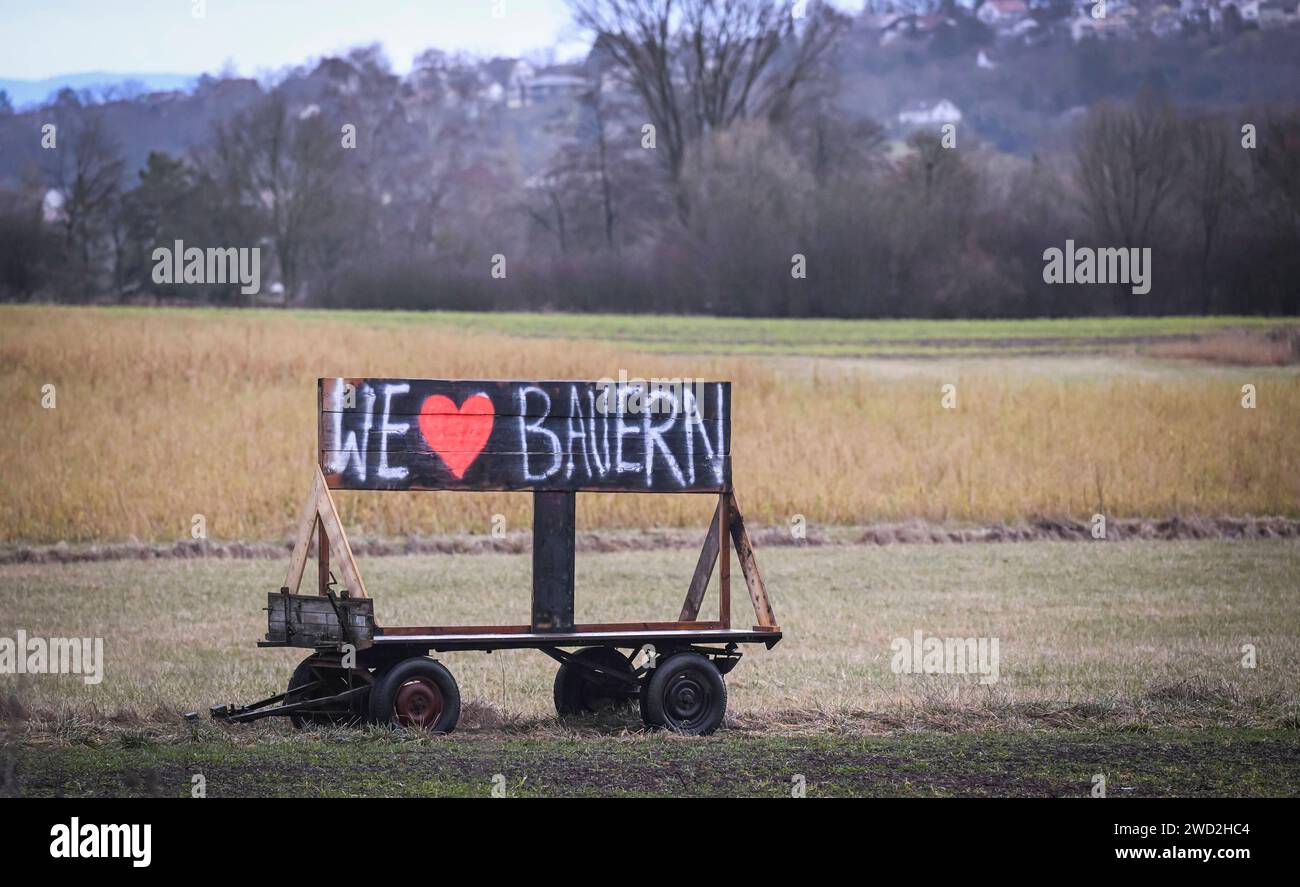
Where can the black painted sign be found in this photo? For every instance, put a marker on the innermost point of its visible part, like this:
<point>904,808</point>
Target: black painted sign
<point>648,436</point>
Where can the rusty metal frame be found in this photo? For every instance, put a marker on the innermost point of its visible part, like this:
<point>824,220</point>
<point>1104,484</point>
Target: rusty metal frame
<point>566,658</point>
<point>268,708</point>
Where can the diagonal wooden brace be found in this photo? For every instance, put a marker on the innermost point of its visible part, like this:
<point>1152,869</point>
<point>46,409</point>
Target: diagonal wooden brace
<point>703,571</point>
<point>709,555</point>
<point>749,567</point>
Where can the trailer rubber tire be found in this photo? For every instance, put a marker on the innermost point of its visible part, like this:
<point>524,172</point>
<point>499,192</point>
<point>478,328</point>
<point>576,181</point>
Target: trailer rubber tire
<point>579,691</point>
<point>303,675</point>
<point>644,691</point>
<point>417,692</point>
<point>642,695</point>
<point>685,694</point>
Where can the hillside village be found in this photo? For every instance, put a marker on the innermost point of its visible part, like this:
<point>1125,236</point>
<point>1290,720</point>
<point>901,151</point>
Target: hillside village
<point>1018,20</point>
<point>549,162</point>
<point>982,36</point>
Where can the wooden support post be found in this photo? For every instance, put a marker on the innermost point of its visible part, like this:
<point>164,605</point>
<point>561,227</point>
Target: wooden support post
<point>724,560</point>
<point>333,526</point>
<point>703,571</point>
<point>302,536</point>
<point>554,535</point>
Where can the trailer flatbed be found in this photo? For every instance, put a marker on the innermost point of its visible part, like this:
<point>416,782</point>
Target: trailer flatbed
<point>521,637</point>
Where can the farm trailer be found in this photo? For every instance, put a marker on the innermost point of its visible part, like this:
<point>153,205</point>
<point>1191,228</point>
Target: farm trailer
<point>555,439</point>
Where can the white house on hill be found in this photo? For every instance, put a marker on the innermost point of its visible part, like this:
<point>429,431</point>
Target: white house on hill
<point>550,86</point>
<point>934,113</point>
<point>1000,13</point>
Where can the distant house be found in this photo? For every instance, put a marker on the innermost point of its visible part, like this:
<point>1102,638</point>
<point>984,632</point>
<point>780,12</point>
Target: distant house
<point>513,76</point>
<point>930,113</point>
<point>611,82</point>
<point>926,24</point>
<point>345,79</point>
<point>491,93</point>
<point>1024,28</point>
<point>166,97</point>
<point>1165,22</point>
<point>1246,10</point>
<point>1002,13</point>
<point>234,89</point>
<point>1278,13</point>
<point>881,22</point>
<point>1112,26</point>
<point>517,85</point>
<point>545,87</point>
<point>52,207</point>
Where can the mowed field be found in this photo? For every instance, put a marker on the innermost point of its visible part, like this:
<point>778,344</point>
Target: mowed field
<point>1117,657</point>
<point>164,414</point>
<point>1133,624</point>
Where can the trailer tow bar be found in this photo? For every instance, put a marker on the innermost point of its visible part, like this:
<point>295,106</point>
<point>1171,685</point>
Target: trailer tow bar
<point>267,708</point>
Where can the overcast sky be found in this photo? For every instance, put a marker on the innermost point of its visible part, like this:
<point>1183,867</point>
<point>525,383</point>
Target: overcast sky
<point>46,38</point>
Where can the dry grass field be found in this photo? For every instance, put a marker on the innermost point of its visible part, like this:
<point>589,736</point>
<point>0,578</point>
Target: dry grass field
<point>1127,635</point>
<point>168,413</point>
<point>1123,656</point>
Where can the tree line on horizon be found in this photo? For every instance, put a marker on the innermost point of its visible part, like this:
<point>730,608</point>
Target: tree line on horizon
<point>710,167</point>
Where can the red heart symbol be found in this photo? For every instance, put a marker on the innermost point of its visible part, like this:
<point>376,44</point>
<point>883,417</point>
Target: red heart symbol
<point>457,435</point>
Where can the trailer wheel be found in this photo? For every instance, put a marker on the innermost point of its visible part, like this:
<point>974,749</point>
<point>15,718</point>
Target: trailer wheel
<point>330,681</point>
<point>579,691</point>
<point>641,698</point>
<point>643,693</point>
<point>417,692</point>
<point>685,694</point>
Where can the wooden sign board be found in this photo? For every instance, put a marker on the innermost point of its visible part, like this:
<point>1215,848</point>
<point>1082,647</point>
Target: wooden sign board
<point>652,436</point>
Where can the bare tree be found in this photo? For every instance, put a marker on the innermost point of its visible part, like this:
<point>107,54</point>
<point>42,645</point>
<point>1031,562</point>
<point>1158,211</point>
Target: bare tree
<point>283,166</point>
<point>753,205</point>
<point>552,189</point>
<point>1211,186</point>
<point>1128,161</point>
<point>87,172</point>
<point>596,170</point>
<point>701,65</point>
<point>594,101</point>
<point>26,245</point>
<point>1276,168</point>
<point>929,203</point>
<point>1275,211</point>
